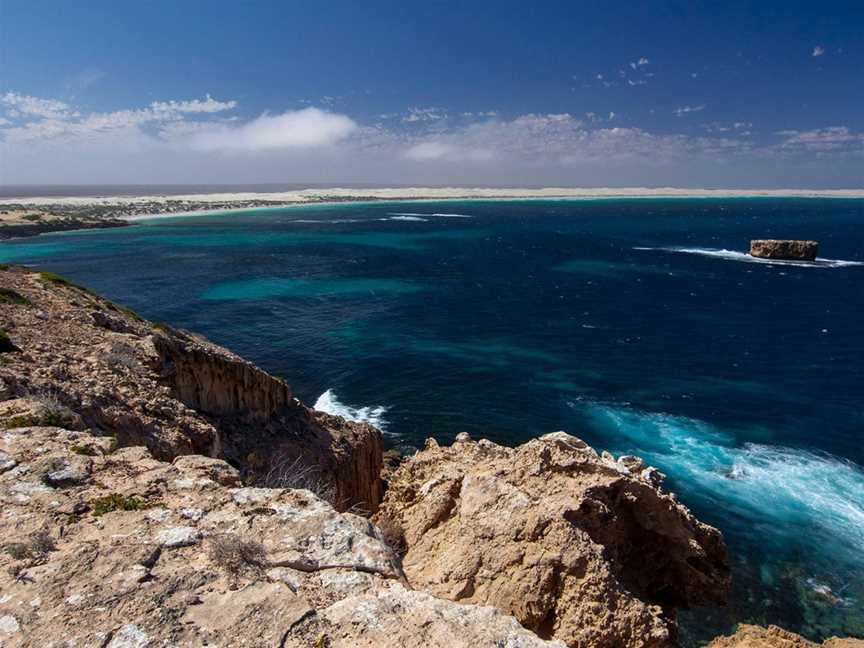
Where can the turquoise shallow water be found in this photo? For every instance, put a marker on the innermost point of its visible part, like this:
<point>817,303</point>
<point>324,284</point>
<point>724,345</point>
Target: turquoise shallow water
<point>638,325</point>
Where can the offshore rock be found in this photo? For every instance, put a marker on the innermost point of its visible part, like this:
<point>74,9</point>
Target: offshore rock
<point>749,636</point>
<point>787,250</point>
<point>87,363</point>
<point>577,546</point>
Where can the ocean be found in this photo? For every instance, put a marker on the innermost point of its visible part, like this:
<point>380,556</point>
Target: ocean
<point>641,326</point>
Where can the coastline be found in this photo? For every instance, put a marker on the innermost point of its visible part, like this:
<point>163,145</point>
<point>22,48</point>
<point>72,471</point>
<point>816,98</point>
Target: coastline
<point>89,212</point>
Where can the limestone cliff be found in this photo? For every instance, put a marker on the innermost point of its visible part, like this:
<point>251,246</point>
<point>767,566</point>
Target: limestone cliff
<point>157,490</point>
<point>115,548</point>
<point>749,636</point>
<point>175,392</point>
<point>577,546</point>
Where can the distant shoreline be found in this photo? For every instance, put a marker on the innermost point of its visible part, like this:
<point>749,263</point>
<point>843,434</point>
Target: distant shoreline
<point>113,210</point>
<point>342,194</point>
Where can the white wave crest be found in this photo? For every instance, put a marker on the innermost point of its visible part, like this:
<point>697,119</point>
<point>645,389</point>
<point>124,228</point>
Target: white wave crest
<point>405,217</point>
<point>330,404</point>
<point>328,221</point>
<point>796,490</point>
<point>416,214</point>
<point>734,255</point>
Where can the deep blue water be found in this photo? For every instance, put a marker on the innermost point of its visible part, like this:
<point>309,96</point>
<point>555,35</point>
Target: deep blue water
<point>620,321</point>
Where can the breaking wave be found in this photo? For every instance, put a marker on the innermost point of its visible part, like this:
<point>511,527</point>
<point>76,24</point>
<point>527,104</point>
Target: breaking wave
<point>733,255</point>
<point>436,215</point>
<point>796,492</point>
<point>328,221</point>
<point>330,404</point>
<point>404,217</point>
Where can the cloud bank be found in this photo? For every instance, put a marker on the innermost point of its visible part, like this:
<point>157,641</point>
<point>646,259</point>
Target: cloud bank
<point>44,140</point>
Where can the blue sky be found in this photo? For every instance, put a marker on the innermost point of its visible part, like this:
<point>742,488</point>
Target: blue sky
<point>546,93</point>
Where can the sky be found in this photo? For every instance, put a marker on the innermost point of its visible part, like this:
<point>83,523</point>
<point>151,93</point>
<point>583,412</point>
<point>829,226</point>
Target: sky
<point>584,94</point>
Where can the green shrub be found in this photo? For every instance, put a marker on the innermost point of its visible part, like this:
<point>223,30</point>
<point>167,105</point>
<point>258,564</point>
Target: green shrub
<point>117,502</point>
<point>51,277</point>
<point>9,296</point>
<point>86,450</point>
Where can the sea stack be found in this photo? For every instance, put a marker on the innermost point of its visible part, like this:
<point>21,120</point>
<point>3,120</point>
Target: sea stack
<point>786,250</point>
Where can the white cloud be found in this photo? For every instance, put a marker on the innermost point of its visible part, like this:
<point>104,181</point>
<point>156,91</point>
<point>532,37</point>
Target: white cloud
<point>25,105</point>
<point>683,110</point>
<point>833,139</point>
<point>208,105</point>
<point>424,114</point>
<point>640,63</point>
<point>49,141</point>
<point>307,128</point>
<point>52,120</point>
<point>818,50</point>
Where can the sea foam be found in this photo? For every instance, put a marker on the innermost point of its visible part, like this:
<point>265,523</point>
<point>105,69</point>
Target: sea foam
<point>436,215</point>
<point>374,415</point>
<point>734,255</point>
<point>795,491</point>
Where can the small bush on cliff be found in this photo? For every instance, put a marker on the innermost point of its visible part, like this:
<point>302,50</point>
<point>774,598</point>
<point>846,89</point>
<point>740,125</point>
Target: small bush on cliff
<point>288,472</point>
<point>54,278</point>
<point>235,555</point>
<point>393,535</point>
<point>37,545</point>
<point>86,450</point>
<point>117,502</point>
<point>9,296</point>
<point>6,345</point>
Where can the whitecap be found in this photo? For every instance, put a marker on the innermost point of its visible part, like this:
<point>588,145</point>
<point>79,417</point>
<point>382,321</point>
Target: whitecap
<point>328,221</point>
<point>734,255</point>
<point>796,491</point>
<point>436,215</point>
<point>374,415</point>
<point>405,217</point>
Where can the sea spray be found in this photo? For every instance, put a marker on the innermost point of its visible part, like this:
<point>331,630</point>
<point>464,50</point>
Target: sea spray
<point>373,415</point>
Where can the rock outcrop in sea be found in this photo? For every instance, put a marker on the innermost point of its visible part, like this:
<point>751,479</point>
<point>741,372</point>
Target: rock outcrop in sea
<point>158,490</point>
<point>784,250</point>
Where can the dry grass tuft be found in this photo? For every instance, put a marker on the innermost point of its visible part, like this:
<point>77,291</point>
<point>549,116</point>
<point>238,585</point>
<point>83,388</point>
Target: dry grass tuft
<point>236,555</point>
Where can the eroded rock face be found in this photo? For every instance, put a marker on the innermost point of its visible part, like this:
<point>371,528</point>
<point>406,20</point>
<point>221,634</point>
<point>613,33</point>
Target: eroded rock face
<point>102,367</point>
<point>784,249</point>
<point>142,572</point>
<point>578,547</point>
<point>749,636</point>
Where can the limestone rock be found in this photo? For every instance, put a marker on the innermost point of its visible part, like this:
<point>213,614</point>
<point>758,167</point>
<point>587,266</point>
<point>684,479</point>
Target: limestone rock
<point>750,636</point>
<point>785,250</point>
<point>399,618</point>
<point>576,546</point>
<point>87,363</point>
<point>142,574</point>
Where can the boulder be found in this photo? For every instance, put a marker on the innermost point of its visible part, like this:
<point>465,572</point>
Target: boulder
<point>750,636</point>
<point>578,547</point>
<point>786,250</point>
